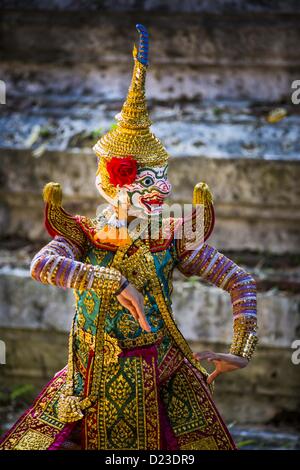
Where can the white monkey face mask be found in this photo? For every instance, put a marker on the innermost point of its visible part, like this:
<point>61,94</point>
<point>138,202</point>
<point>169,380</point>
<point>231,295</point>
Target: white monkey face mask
<point>146,195</point>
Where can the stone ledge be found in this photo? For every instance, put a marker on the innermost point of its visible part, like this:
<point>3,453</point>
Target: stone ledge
<point>34,36</point>
<point>209,315</point>
<point>32,356</point>
<point>237,133</point>
<point>257,202</point>
<point>27,304</point>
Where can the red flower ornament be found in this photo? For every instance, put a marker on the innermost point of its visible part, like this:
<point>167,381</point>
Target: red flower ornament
<point>121,170</point>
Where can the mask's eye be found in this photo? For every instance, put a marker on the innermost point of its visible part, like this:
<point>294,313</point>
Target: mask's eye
<point>147,181</point>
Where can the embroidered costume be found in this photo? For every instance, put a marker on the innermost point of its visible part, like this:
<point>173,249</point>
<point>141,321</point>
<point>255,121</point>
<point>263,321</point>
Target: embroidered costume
<point>126,388</point>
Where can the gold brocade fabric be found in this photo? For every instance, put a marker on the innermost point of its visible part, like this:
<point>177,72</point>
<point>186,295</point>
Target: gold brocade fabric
<point>128,412</point>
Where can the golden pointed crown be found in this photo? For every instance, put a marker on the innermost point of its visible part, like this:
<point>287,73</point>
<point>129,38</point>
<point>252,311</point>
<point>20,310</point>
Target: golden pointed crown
<point>131,135</point>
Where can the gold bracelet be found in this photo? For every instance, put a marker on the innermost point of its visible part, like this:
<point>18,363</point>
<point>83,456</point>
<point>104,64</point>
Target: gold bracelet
<point>244,338</point>
<point>106,279</point>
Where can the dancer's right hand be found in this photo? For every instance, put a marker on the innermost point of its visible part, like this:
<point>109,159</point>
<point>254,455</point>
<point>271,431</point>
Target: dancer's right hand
<point>133,300</point>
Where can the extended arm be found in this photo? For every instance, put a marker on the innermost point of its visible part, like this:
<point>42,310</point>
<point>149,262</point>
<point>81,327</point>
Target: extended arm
<point>216,268</point>
<point>58,263</point>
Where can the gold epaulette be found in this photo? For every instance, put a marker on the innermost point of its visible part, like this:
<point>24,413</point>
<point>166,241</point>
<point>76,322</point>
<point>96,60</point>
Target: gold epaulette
<point>57,220</point>
<point>202,195</point>
<point>199,221</point>
<point>80,229</point>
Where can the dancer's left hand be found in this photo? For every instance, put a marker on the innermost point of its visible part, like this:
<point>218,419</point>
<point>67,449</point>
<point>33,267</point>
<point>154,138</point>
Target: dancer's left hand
<point>223,362</point>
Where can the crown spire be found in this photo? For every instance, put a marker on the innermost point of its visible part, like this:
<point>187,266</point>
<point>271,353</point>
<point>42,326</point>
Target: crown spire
<point>132,135</point>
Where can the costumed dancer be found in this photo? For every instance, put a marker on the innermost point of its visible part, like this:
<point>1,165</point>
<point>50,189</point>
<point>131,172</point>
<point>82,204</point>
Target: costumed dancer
<point>132,381</point>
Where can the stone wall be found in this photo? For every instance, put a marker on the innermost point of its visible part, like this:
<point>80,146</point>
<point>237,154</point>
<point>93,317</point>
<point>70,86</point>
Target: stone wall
<point>216,72</point>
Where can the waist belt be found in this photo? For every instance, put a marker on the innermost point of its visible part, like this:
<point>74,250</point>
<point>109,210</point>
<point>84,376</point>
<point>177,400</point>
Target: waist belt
<point>145,339</point>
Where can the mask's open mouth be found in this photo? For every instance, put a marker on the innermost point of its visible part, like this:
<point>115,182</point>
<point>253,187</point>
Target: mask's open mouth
<point>153,202</point>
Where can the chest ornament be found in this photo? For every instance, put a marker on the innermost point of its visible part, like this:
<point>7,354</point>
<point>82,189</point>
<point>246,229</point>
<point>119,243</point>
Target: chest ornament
<point>136,269</point>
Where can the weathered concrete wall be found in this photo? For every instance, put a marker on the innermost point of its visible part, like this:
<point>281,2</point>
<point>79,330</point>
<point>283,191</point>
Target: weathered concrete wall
<point>257,202</point>
<point>211,52</point>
